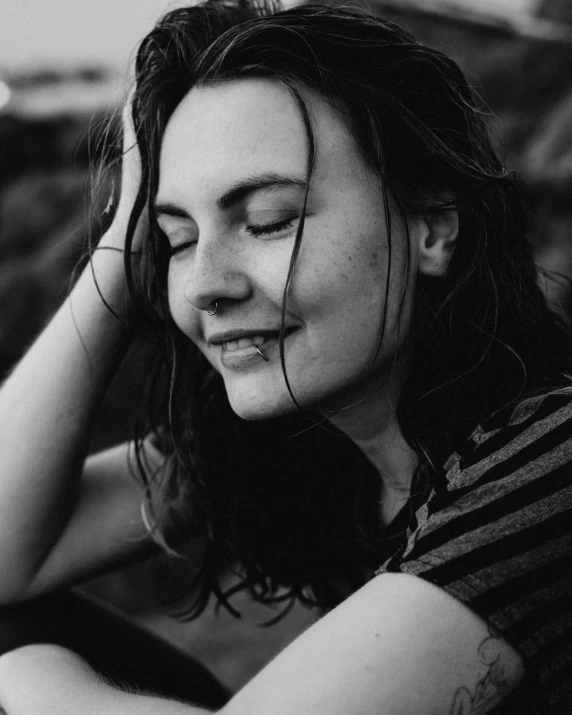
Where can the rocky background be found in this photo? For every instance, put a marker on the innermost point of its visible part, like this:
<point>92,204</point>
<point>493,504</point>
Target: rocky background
<point>523,73</point>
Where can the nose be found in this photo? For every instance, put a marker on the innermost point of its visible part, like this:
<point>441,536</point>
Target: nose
<point>218,272</point>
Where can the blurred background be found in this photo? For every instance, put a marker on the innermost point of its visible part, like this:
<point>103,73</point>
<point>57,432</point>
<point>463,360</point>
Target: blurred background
<point>65,66</point>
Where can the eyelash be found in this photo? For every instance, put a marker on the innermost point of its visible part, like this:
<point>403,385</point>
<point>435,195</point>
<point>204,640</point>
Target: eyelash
<point>256,231</point>
<point>173,250</point>
<point>270,228</point>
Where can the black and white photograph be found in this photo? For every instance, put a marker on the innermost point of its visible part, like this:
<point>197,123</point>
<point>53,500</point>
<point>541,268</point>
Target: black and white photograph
<point>286,357</point>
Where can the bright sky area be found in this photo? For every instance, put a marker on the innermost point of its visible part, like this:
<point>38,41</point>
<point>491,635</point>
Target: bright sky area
<point>43,34</point>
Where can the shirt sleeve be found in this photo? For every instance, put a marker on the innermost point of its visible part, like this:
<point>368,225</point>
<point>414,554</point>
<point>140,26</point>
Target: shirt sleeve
<point>496,533</point>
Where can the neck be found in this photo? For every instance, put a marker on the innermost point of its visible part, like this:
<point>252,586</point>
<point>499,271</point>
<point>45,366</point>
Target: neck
<point>371,423</point>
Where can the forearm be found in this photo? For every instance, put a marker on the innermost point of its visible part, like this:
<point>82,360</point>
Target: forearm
<point>45,680</point>
<point>116,702</point>
<point>47,406</point>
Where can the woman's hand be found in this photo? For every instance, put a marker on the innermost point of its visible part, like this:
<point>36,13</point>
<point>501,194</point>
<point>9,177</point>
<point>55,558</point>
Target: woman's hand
<point>107,262</point>
<point>130,183</point>
<point>131,164</point>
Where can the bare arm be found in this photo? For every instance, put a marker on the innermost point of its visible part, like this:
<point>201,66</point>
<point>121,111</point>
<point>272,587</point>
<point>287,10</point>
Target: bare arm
<point>104,529</point>
<point>399,646</point>
<point>47,407</point>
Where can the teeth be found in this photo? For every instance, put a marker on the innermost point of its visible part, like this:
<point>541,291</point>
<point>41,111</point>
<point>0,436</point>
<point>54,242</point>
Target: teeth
<point>233,345</point>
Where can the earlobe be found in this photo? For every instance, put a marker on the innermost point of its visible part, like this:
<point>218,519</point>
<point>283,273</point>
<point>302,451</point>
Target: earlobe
<point>437,241</point>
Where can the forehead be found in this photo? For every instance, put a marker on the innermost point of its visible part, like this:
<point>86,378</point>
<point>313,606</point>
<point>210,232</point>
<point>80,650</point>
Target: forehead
<point>225,132</point>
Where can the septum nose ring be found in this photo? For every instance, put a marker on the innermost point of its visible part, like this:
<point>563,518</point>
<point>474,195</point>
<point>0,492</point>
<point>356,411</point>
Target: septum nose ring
<point>214,310</point>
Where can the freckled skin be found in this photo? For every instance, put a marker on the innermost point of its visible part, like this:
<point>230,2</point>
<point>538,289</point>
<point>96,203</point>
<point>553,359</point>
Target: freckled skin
<point>220,135</point>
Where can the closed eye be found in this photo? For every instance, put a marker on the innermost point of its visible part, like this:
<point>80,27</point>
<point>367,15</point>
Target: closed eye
<point>183,239</point>
<point>269,228</point>
<point>180,240</point>
<point>173,250</point>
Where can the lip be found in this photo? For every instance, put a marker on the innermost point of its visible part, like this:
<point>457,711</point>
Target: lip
<point>249,357</point>
<point>228,335</point>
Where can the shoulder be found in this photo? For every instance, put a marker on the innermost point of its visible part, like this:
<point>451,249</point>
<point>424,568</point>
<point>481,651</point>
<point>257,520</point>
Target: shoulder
<point>524,443</point>
<point>512,462</point>
<point>496,529</point>
<point>543,419</point>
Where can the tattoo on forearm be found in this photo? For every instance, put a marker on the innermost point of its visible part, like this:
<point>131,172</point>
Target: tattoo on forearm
<point>502,674</point>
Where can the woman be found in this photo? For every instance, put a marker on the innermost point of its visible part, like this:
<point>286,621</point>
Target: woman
<point>361,400</point>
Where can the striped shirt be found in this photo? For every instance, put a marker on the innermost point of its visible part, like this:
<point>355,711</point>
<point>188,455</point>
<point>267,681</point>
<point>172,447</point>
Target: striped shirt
<point>496,533</point>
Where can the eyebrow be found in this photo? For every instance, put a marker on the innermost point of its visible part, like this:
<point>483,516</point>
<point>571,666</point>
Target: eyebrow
<point>239,191</point>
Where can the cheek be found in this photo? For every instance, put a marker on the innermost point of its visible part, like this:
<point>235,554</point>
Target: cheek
<point>186,318</point>
<point>176,289</point>
<point>175,295</point>
<point>353,271</point>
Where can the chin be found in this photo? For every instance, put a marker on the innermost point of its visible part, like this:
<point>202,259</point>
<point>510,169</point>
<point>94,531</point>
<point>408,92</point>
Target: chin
<point>260,404</point>
<point>253,410</point>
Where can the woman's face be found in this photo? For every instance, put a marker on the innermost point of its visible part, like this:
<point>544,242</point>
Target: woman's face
<point>232,181</point>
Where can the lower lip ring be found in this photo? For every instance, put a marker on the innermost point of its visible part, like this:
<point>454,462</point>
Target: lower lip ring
<point>236,359</point>
<point>262,355</point>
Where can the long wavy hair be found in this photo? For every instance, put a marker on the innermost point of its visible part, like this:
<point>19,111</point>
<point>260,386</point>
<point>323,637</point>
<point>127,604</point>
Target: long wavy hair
<point>294,511</point>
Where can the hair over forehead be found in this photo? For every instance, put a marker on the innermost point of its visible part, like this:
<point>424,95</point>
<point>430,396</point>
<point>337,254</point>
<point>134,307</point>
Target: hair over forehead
<point>407,105</point>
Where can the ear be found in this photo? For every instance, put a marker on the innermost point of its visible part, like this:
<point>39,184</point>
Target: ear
<point>436,242</point>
